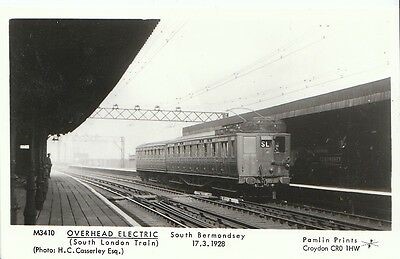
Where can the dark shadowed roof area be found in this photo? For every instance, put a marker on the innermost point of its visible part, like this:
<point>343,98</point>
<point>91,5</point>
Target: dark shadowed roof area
<point>62,69</point>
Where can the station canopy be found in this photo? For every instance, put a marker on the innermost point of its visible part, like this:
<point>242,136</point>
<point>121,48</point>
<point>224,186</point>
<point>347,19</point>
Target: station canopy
<point>368,93</point>
<point>62,69</point>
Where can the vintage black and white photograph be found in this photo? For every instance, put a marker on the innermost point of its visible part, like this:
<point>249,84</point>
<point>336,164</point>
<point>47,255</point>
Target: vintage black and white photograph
<point>274,123</point>
<point>124,131</point>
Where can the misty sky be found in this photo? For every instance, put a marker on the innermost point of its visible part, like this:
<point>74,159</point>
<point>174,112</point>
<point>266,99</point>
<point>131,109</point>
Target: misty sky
<point>240,63</point>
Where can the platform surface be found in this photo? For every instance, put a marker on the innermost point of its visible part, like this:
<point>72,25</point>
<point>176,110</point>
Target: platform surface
<point>70,203</point>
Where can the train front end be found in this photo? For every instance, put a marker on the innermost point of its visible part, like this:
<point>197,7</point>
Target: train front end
<point>263,159</point>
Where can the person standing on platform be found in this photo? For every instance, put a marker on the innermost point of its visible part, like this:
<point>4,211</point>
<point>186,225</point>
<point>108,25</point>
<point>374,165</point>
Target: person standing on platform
<point>48,165</point>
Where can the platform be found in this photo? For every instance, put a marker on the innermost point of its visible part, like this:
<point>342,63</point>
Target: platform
<point>72,203</point>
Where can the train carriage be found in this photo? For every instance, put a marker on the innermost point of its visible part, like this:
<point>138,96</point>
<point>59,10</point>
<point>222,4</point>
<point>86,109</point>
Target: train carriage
<point>237,157</point>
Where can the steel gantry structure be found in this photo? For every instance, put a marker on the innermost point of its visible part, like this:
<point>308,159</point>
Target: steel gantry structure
<point>156,114</point>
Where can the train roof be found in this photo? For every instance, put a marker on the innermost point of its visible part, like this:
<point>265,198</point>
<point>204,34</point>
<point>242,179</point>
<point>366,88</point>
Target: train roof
<point>183,138</point>
<point>193,138</point>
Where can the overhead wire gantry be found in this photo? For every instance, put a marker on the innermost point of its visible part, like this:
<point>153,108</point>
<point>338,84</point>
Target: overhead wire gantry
<point>156,114</point>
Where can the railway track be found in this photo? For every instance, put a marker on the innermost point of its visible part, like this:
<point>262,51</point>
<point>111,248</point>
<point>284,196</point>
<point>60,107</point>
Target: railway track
<point>176,213</point>
<point>295,216</point>
<point>301,218</point>
<point>351,221</point>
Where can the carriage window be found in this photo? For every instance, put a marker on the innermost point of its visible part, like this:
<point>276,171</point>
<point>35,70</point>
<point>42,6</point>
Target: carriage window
<point>249,145</point>
<point>279,144</point>
<point>187,152</point>
<point>192,150</point>
<point>224,149</point>
<point>213,149</point>
<point>233,149</point>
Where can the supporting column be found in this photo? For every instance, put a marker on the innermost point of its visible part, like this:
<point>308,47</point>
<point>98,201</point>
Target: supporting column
<point>44,169</point>
<point>30,208</point>
<point>13,157</point>
<point>39,199</point>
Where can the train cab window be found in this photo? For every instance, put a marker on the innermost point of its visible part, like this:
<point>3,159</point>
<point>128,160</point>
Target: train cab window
<point>279,144</point>
<point>249,145</point>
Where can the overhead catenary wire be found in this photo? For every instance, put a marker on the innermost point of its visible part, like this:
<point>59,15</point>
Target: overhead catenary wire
<point>166,42</point>
<point>252,67</point>
<point>237,76</point>
<point>314,85</point>
<point>146,55</point>
<point>282,86</point>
